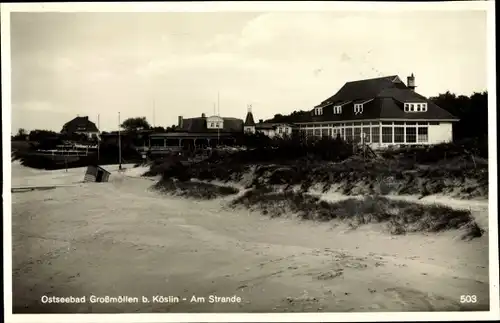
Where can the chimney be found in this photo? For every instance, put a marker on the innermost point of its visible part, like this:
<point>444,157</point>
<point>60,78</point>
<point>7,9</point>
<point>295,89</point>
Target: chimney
<point>260,120</point>
<point>411,82</point>
<point>203,115</point>
<point>181,122</point>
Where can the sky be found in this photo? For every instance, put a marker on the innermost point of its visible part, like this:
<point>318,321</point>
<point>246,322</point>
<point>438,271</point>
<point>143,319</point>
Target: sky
<point>163,65</point>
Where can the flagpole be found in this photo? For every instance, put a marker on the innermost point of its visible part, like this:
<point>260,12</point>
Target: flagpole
<point>119,143</point>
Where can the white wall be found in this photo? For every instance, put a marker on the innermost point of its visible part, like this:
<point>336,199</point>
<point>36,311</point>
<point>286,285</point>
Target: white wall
<point>268,132</point>
<point>286,130</point>
<point>441,133</point>
<point>216,120</point>
<point>249,129</point>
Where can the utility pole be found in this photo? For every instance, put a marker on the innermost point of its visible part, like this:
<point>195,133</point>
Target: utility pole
<point>218,114</point>
<point>154,106</point>
<point>98,139</point>
<point>119,143</point>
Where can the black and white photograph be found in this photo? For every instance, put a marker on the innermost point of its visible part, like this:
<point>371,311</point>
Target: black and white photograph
<point>239,158</point>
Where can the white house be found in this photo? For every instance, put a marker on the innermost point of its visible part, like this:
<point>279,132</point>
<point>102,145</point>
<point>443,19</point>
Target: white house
<point>381,112</point>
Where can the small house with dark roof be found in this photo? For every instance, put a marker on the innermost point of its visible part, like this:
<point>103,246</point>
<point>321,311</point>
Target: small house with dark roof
<point>269,129</point>
<point>80,125</point>
<point>381,112</point>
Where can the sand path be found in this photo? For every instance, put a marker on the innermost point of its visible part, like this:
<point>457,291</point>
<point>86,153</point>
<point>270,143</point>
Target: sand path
<point>119,239</point>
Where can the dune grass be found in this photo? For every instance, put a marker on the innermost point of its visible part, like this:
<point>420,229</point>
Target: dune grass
<point>196,190</point>
<point>399,217</point>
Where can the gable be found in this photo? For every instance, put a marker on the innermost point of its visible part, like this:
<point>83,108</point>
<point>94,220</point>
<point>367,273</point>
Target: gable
<point>396,80</point>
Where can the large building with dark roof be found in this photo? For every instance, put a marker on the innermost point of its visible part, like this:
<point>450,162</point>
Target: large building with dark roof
<point>381,112</point>
<point>199,132</point>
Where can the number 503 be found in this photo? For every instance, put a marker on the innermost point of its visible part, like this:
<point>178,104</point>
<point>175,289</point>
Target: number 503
<point>468,299</point>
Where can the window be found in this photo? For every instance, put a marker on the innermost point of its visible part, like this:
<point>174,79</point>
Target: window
<point>358,108</point>
<point>411,134</point>
<point>317,132</point>
<point>318,111</point>
<point>415,107</point>
<point>157,142</point>
<point>309,132</point>
<point>366,135</point>
<point>387,135</point>
<point>280,130</point>
<point>324,132</point>
<point>212,125</point>
<point>399,123</point>
<point>348,134</point>
<point>357,134</point>
<point>337,109</point>
<point>399,135</point>
<point>423,134</point>
<point>375,134</point>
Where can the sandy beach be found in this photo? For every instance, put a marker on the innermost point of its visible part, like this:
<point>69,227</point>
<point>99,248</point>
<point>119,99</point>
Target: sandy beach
<point>122,239</point>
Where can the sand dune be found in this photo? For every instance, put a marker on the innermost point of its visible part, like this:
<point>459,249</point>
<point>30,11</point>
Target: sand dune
<point>121,239</point>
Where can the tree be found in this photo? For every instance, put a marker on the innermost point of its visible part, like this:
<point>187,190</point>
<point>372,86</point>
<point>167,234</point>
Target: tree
<point>171,128</point>
<point>21,134</point>
<point>135,124</point>
<point>295,116</point>
<point>41,135</point>
<point>472,112</point>
<point>158,129</point>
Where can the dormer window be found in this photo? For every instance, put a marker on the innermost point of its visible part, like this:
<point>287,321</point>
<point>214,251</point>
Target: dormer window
<point>318,111</point>
<point>415,107</point>
<point>337,109</point>
<point>358,108</point>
